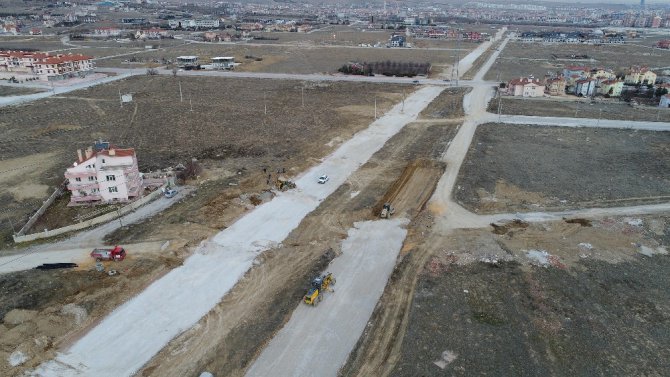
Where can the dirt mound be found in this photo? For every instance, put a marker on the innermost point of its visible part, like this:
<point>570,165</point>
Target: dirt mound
<point>507,226</point>
<point>582,222</point>
<point>18,316</point>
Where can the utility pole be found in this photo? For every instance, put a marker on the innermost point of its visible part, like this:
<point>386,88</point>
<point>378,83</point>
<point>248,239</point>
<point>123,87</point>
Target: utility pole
<point>600,114</point>
<point>120,98</point>
<point>303,96</point>
<point>499,104</point>
<point>403,102</point>
<point>265,104</point>
<point>11,225</point>
<point>376,108</point>
<point>181,96</point>
<point>191,103</point>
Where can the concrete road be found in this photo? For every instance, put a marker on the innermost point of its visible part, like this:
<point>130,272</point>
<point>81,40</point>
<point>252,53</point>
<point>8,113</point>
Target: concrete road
<point>577,122</point>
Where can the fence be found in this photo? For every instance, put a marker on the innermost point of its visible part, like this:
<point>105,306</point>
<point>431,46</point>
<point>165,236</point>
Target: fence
<point>88,223</point>
<point>43,208</point>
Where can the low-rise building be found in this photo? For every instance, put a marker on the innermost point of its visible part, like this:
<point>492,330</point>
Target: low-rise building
<point>187,61</point>
<point>555,86</point>
<point>104,174</point>
<point>396,41</point>
<point>574,73</point>
<point>585,87</point>
<point>639,75</point>
<point>611,88</point>
<point>45,65</point>
<point>525,87</point>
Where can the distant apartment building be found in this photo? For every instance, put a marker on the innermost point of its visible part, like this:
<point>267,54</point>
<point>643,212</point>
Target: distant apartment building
<point>555,86</point>
<point>200,24</point>
<point>45,65</point>
<point>639,75</point>
<point>107,32</point>
<point>525,87</point>
<point>602,74</point>
<point>396,41</point>
<point>104,174</point>
<point>585,87</point>
<point>612,88</point>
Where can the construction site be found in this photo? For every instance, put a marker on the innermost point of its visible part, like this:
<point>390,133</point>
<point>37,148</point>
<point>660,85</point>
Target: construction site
<point>423,234</point>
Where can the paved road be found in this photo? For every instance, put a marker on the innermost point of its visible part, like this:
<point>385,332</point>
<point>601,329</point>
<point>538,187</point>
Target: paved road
<point>577,122</point>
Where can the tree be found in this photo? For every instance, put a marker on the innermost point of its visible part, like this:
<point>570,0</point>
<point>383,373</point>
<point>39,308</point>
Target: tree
<point>152,71</point>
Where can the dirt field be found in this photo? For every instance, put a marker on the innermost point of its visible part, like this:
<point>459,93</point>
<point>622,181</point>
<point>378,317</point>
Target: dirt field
<point>14,91</point>
<point>230,336</point>
<point>474,302</point>
<point>523,59</point>
<point>569,168</point>
<point>231,130</point>
<point>573,107</point>
<point>45,310</point>
<point>448,105</point>
<point>282,59</point>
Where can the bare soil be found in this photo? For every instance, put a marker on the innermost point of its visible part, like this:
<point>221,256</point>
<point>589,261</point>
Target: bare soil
<point>482,59</point>
<point>573,107</point>
<point>49,309</point>
<point>228,129</point>
<point>232,334</point>
<point>6,91</point>
<point>292,59</point>
<point>448,105</point>
<point>523,59</point>
<point>569,168</point>
<point>474,302</point>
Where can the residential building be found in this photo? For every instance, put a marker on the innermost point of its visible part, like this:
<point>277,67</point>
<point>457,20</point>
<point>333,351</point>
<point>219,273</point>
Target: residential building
<point>574,73</point>
<point>107,32</point>
<point>104,174</point>
<point>556,86</point>
<point>665,101</point>
<point>665,43</point>
<point>585,87</point>
<point>525,87</point>
<point>45,65</point>
<point>602,74</point>
<point>396,41</point>
<point>611,88</point>
<point>640,75</point>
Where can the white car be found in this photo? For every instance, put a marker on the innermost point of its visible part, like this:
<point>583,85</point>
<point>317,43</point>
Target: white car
<point>323,179</point>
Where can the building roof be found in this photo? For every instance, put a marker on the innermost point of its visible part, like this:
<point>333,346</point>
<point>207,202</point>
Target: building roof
<point>128,152</point>
<point>610,82</point>
<point>584,81</point>
<point>524,81</point>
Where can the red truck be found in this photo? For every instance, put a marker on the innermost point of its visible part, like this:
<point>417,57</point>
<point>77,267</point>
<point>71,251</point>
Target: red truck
<point>115,254</point>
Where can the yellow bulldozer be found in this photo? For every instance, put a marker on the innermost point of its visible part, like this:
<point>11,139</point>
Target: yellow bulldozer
<point>319,287</point>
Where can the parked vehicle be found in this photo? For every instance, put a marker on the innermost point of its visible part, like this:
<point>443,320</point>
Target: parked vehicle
<point>115,254</point>
<point>170,193</point>
<point>323,179</point>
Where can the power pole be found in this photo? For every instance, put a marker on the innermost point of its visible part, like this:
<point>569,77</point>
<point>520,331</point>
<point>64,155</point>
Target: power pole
<point>499,104</point>
<point>376,108</point>
<point>190,103</point>
<point>265,104</point>
<point>181,96</point>
<point>403,102</point>
<point>303,96</point>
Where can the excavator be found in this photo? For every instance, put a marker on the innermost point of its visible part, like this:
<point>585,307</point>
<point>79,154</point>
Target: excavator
<point>319,286</point>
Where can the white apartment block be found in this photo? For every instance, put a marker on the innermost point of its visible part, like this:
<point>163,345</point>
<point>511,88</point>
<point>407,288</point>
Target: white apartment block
<point>104,175</point>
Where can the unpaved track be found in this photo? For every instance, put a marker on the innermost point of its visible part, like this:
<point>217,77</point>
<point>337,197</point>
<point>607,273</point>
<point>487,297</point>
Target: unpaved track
<point>177,301</point>
<point>317,340</point>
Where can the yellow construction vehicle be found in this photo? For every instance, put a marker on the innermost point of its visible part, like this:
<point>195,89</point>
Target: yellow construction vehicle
<point>319,287</point>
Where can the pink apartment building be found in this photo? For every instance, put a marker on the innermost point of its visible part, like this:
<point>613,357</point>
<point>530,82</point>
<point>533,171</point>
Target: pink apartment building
<point>106,174</point>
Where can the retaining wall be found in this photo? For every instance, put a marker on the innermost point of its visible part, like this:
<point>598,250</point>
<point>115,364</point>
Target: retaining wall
<point>88,223</point>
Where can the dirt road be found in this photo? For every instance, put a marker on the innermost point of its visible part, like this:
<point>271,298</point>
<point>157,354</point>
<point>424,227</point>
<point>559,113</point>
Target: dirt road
<point>317,340</point>
<point>170,305</point>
